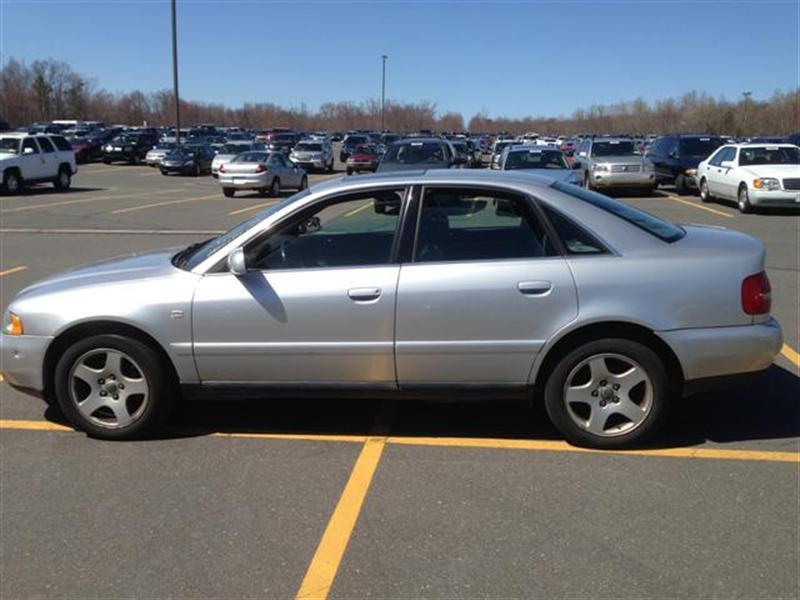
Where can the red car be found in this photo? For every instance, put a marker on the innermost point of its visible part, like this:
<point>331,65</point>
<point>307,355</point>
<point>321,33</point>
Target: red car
<point>363,158</point>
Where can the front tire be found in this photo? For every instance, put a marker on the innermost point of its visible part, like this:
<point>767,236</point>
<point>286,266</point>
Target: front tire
<point>743,200</point>
<point>229,192</point>
<point>113,387</point>
<point>610,393</point>
<point>12,182</point>
<point>705,195</point>
<point>680,185</point>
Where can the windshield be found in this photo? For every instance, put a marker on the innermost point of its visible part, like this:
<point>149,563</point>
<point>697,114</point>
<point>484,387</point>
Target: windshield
<point>535,159</point>
<point>9,145</point>
<point>770,155</point>
<point>415,153</point>
<point>234,148</point>
<point>283,137</point>
<point>354,140</point>
<point>308,147</point>
<point>614,148</point>
<point>699,146</point>
<point>663,230</point>
<point>165,146</point>
<point>189,260</point>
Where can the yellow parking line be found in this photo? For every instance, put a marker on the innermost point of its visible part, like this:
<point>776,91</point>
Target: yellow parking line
<point>85,200</point>
<point>700,206</point>
<point>359,209</point>
<point>165,203</point>
<point>325,563</point>
<point>556,446</point>
<point>254,207</point>
<point>12,270</point>
<point>32,425</point>
<point>787,351</point>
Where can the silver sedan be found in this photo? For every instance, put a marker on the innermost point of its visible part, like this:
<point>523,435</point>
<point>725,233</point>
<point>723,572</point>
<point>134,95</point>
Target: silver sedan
<point>444,283</point>
<point>266,172</point>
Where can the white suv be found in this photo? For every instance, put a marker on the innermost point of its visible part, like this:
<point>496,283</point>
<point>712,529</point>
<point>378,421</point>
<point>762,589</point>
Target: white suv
<point>26,159</point>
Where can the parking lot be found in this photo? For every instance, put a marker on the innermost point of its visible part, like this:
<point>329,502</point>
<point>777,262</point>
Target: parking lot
<point>366,499</point>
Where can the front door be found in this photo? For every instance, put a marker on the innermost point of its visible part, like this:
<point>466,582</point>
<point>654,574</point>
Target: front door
<point>316,306</point>
<point>483,293</point>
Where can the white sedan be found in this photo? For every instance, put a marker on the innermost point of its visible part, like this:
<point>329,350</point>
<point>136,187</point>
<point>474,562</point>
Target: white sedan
<point>754,175</point>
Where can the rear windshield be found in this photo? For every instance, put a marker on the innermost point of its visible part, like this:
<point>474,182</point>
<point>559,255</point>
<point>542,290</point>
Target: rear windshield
<point>234,148</point>
<point>353,140</point>
<point>663,230</point>
<point>309,147</point>
<point>613,148</point>
<point>535,159</point>
<point>702,146</point>
<point>414,153</point>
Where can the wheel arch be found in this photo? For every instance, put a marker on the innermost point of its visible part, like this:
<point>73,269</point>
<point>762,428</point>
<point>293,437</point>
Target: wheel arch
<point>608,329</point>
<point>82,330</point>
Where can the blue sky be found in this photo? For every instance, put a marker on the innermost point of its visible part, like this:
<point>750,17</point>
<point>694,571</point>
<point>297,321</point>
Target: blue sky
<point>510,58</point>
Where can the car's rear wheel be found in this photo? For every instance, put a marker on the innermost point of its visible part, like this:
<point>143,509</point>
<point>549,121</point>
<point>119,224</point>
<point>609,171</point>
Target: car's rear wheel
<point>229,192</point>
<point>64,179</point>
<point>113,387</point>
<point>609,393</point>
<point>743,200</point>
<point>680,185</point>
<point>705,196</point>
<point>12,183</point>
<point>349,171</point>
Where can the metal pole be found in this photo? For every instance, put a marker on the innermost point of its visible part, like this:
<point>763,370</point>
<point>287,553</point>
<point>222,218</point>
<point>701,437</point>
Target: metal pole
<point>175,76</point>
<point>383,94</point>
<point>744,117</point>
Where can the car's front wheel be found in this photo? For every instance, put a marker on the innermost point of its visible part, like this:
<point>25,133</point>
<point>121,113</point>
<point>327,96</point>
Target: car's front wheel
<point>229,192</point>
<point>705,196</point>
<point>12,183</point>
<point>608,393</point>
<point>743,200</point>
<point>113,387</point>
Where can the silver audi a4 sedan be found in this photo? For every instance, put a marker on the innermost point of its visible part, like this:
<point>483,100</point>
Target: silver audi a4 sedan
<point>413,284</point>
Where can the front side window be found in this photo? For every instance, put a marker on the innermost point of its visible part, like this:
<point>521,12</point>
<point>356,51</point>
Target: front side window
<point>461,224</point>
<point>356,230</point>
<point>29,146</point>
<point>718,157</point>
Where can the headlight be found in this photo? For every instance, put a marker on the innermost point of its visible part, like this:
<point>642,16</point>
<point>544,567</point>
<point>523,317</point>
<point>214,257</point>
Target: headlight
<point>690,172</point>
<point>766,183</point>
<point>13,325</point>
<point>599,167</point>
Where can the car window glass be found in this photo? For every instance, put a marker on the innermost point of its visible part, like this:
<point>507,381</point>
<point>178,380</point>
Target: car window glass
<point>716,159</point>
<point>574,238</point>
<point>45,144</point>
<point>29,143</point>
<point>459,224</point>
<point>353,231</point>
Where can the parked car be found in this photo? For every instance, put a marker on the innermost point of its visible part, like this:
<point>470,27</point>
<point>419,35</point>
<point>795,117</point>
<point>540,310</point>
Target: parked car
<point>188,160</point>
<point>420,153</point>
<point>154,156</point>
<point>29,159</point>
<point>86,148</point>
<point>539,160</point>
<point>350,143</point>
<point>675,158</point>
<point>453,284</point>
<point>752,175</point>
<point>282,142</point>
<point>266,172</point>
<point>463,150</point>
<point>313,154</point>
<point>363,158</point>
<point>129,147</point>
<point>497,150</point>
<point>230,151</point>
<point>613,163</point>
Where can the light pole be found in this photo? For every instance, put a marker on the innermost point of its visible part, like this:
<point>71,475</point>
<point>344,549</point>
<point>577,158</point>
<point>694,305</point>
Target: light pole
<point>744,117</point>
<point>383,93</point>
<point>175,76</point>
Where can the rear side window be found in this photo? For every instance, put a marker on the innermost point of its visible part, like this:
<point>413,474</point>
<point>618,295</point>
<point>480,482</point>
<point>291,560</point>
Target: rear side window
<point>45,144</point>
<point>457,224</point>
<point>663,230</point>
<point>60,142</point>
<point>576,240</point>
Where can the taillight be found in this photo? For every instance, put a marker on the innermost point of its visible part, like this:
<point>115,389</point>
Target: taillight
<point>756,296</point>
<point>222,168</point>
<point>261,168</point>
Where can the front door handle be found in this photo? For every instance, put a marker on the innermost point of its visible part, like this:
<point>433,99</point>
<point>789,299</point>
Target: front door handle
<point>535,288</point>
<point>364,294</point>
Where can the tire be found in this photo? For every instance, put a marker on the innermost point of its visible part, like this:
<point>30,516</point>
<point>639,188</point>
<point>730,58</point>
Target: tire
<point>743,200</point>
<point>12,182</point>
<point>680,185</point>
<point>106,161</point>
<point>163,172</point>
<point>595,394</point>
<point>197,170</point>
<point>705,196</point>
<point>63,180</point>
<point>303,183</point>
<point>229,192</point>
<point>349,171</point>
<point>275,188</point>
<point>133,364</point>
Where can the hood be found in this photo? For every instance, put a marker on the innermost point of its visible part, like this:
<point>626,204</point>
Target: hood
<point>390,167</point>
<point>125,268</point>
<point>776,171</point>
<point>362,157</point>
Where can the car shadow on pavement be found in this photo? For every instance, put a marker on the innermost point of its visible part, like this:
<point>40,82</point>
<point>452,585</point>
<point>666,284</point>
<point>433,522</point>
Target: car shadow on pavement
<point>41,190</point>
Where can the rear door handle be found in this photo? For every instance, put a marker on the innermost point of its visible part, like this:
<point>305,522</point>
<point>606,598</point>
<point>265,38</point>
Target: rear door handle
<point>364,294</point>
<point>535,288</point>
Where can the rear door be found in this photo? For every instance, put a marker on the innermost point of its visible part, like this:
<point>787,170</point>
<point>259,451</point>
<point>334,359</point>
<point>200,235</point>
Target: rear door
<point>484,289</point>
<point>49,157</point>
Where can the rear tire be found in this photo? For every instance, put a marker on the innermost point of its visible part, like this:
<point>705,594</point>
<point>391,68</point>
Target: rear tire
<point>228,192</point>
<point>349,171</point>
<point>63,180</point>
<point>592,386</point>
<point>119,362</point>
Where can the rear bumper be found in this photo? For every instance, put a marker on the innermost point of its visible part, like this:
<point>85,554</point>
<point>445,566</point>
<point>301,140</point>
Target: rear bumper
<point>718,352</point>
<point>22,360</point>
<point>244,182</point>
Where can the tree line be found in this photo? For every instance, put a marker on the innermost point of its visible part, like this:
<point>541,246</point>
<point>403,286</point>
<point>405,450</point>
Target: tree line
<point>50,89</point>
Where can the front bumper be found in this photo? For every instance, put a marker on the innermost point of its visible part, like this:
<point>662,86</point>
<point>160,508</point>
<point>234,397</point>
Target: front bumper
<point>777,198</point>
<point>180,169</point>
<point>362,166</point>
<point>115,155</point>
<point>245,182</point>
<point>22,360</point>
<point>310,164</point>
<point>725,351</point>
<point>607,179</point>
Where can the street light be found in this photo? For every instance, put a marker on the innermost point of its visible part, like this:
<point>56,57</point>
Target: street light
<point>744,117</point>
<point>383,93</point>
<point>175,76</point>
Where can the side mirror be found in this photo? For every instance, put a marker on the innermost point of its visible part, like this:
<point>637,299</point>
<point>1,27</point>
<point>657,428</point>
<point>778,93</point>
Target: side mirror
<point>27,150</point>
<point>726,164</point>
<point>236,264</point>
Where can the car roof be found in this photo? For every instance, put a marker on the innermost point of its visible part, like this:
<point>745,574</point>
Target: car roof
<point>532,148</point>
<point>612,139</point>
<point>19,134</point>
<point>760,144</point>
<point>421,140</point>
